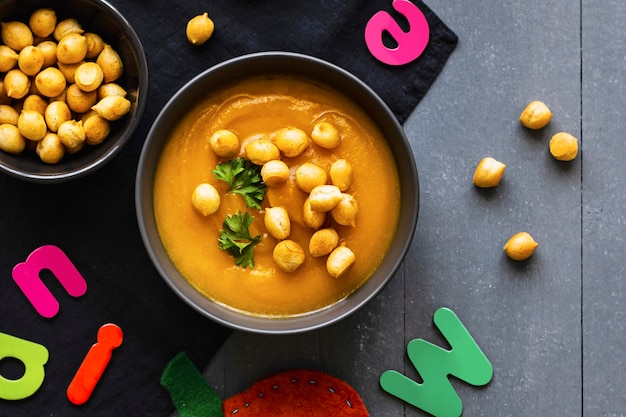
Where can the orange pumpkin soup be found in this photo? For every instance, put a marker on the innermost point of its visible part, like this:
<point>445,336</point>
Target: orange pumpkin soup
<point>255,108</point>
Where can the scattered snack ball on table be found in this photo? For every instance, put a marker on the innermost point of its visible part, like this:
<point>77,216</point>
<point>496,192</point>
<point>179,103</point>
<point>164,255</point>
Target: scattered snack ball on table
<point>535,115</point>
<point>488,173</point>
<point>520,246</point>
<point>297,393</point>
<point>61,81</point>
<point>564,147</point>
<point>199,29</point>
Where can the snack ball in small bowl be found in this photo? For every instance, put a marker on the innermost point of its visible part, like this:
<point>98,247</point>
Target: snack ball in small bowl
<point>276,193</point>
<point>75,83</point>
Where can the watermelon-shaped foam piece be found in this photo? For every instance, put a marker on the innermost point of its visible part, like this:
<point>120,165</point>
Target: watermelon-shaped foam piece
<point>297,393</point>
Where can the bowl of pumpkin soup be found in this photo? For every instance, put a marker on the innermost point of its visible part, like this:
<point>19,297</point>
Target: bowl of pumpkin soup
<point>276,193</point>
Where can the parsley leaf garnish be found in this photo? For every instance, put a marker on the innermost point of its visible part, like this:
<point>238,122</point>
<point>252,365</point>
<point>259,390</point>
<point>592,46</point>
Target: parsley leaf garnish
<point>244,178</point>
<point>235,238</point>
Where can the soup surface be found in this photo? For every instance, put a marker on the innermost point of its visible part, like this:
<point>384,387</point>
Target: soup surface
<point>253,108</point>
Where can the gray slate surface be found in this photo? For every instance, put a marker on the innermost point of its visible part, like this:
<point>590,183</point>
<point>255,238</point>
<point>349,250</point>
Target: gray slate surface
<point>553,327</point>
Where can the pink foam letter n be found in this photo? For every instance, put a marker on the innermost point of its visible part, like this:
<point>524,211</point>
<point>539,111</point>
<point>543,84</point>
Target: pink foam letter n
<point>26,276</point>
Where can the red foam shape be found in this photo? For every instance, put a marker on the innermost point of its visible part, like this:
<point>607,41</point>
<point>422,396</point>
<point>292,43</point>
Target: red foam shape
<point>110,336</point>
<point>297,393</point>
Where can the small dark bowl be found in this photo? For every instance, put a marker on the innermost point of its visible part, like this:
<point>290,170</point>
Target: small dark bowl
<point>311,68</point>
<point>100,17</point>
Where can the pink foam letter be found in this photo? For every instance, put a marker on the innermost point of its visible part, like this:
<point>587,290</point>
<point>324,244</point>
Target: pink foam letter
<point>110,336</point>
<point>26,276</point>
<point>411,44</point>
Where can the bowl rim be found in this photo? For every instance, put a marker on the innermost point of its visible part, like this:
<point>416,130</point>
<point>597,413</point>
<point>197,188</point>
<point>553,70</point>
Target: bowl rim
<point>141,103</point>
<point>226,315</point>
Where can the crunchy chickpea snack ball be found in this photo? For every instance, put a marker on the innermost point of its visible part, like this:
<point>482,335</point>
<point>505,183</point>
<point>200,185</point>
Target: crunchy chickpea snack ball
<point>110,89</point>
<point>8,58</point>
<point>50,149</point>
<point>56,113</point>
<point>72,48</point>
<point>95,45</point>
<point>16,84</point>
<point>520,246</point>
<point>88,76</point>
<point>339,262</point>
<point>291,141</point>
<point>32,125</point>
<point>78,147</point>
<point>49,50</point>
<point>326,135</point>
<point>16,35</point>
<point>110,63</point>
<point>205,199</point>
<point>260,151</point>
<point>309,176</point>
<point>312,219</point>
<point>50,82</point>
<point>35,102</point>
<point>564,146</point>
<point>65,26</point>
<point>199,29</point>
<point>277,222</point>
<point>112,107</point>
<point>80,101</point>
<point>341,174</point>
<point>97,128</point>
<point>8,114</point>
<point>288,255</point>
<point>68,70</point>
<point>42,22</point>
<point>323,242</point>
<point>488,173</point>
<point>325,197</point>
<point>275,173</point>
<point>72,134</point>
<point>224,143</point>
<point>11,140</point>
<point>30,60</point>
<point>536,115</point>
<point>345,212</point>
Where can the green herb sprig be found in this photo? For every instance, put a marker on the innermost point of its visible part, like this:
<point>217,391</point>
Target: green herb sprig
<point>244,178</point>
<point>236,239</point>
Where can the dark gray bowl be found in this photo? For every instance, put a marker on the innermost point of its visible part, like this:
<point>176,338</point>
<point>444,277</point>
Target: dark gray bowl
<point>100,17</point>
<point>312,68</point>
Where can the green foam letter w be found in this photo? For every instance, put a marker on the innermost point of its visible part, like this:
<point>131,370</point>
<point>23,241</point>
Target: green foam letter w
<point>464,360</point>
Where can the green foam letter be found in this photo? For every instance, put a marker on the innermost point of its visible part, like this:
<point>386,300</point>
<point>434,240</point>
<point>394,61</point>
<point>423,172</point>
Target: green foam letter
<point>33,355</point>
<point>435,394</point>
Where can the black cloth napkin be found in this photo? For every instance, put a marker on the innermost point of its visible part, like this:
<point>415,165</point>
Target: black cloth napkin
<point>330,29</point>
<point>93,221</point>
